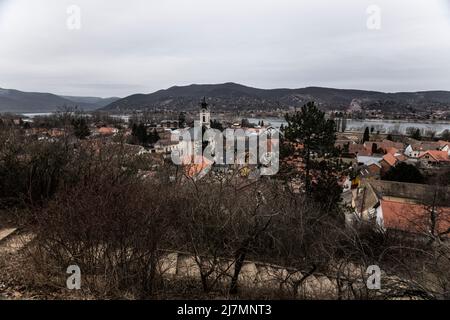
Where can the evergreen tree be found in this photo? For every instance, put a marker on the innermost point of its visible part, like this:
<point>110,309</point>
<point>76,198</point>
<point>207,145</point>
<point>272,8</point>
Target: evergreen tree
<point>153,137</point>
<point>182,119</point>
<point>416,135</point>
<point>325,189</point>
<point>344,124</point>
<point>374,148</point>
<point>80,127</point>
<point>310,128</point>
<point>404,172</point>
<point>215,124</point>
<point>139,132</point>
<point>445,135</point>
<point>245,123</point>
<point>366,136</point>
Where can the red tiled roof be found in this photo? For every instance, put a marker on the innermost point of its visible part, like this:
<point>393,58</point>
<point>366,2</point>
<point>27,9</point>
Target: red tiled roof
<point>390,159</point>
<point>392,150</point>
<point>365,153</point>
<point>384,145</point>
<point>436,155</point>
<point>106,130</point>
<point>390,144</point>
<point>358,148</point>
<point>195,165</point>
<point>413,217</point>
<point>426,145</point>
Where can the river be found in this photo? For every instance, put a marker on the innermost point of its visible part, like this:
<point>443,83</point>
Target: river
<point>383,126</point>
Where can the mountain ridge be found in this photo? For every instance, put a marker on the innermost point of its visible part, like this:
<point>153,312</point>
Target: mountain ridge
<point>229,96</point>
<point>12,100</point>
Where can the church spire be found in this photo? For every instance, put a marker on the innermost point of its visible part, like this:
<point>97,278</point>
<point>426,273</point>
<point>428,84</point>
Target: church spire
<point>204,104</point>
<point>205,116</point>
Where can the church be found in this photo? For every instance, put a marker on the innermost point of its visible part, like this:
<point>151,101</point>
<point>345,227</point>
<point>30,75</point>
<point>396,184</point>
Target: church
<point>205,114</point>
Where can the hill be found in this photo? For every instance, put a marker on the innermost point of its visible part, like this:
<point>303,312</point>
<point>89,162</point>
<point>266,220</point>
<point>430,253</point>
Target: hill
<point>19,101</point>
<point>229,96</point>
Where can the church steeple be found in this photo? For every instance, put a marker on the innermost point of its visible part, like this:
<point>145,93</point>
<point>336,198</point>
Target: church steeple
<point>204,104</point>
<point>205,116</point>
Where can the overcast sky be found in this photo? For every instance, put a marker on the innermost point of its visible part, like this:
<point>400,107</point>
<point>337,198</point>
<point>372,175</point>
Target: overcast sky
<point>139,46</point>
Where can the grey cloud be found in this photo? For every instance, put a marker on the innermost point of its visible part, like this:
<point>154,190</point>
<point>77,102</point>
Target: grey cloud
<point>126,47</point>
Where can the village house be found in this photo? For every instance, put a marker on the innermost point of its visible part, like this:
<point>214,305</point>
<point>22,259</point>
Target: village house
<point>434,159</point>
<point>444,146</point>
<point>387,162</point>
<point>106,131</point>
<point>372,170</point>
<point>404,207</point>
<point>169,124</point>
<point>165,146</point>
<point>367,160</point>
<point>383,145</point>
<point>414,150</point>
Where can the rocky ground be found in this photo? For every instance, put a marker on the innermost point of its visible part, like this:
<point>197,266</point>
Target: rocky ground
<point>16,265</point>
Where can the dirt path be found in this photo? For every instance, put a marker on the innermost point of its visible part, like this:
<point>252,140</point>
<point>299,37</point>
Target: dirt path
<point>12,241</point>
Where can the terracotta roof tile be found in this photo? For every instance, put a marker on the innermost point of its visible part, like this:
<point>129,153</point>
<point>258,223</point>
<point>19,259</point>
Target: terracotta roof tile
<point>392,150</point>
<point>412,217</point>
<point>390,159</point>
<point>436,155</point>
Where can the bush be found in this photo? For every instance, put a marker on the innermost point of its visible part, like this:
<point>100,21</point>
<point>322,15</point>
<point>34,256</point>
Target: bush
<point>404,172</point>
<point>112,232</point>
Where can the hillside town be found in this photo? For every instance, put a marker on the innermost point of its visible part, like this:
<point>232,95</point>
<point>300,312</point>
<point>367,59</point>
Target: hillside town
<point>360,185</point>
<point>370,158</point>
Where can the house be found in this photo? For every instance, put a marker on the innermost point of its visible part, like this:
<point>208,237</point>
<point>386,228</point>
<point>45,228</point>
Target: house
<point>56,133</point>
<point>165,146</point>
<point>365,202</point>
<point>392,150</point>
<point>389,161</point>
<point>169,124</point>
<point>356,149</point>
<point>371,171</point>
<point>107,131</point>
<point>405,207</point>
<point>444,146</point>
<point>411,217</point>
<point>386,144</point>
<point>401,157</point>
<point>196,167</point>
<point>366,160</point>
<point>383,145</point>
<point>434,158</point>
<point>410,152</point>
<point>414,150</point>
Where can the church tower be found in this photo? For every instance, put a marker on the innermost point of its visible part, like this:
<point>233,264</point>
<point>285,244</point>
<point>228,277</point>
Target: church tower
<point>205,115</point>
